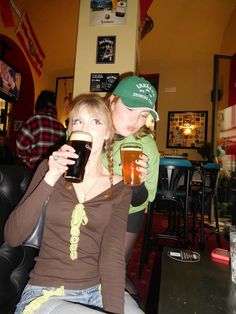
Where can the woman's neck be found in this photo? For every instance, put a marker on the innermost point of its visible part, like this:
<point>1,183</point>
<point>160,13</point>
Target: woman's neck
<point>94,169</point>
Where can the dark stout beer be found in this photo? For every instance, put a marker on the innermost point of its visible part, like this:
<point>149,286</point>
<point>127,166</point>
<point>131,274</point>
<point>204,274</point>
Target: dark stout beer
<point>82,143</point>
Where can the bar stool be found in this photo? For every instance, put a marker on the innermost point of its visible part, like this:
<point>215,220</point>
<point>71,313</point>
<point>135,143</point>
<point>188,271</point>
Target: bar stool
<point>204,196</point>
<point>172,192</point>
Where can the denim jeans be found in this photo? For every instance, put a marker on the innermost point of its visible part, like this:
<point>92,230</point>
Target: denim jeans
<point>90,296</point>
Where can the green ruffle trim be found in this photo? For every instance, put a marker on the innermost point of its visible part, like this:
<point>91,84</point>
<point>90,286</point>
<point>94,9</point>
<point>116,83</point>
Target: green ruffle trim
<point>37,302</point>
<point>78,218</point>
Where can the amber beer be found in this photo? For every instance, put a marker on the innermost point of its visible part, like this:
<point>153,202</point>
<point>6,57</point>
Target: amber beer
<point>130,152</point>
<point>82,143</point>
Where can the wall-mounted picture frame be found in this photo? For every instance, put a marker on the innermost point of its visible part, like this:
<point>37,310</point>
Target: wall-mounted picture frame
<point>64,94</point>
<point>106,49</point>
<point>106,13</point>
<point>103,82</point>
<point>186,129</point>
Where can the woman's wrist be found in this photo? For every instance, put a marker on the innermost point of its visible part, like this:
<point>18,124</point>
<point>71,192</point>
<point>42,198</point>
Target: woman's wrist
<point>50,178</point>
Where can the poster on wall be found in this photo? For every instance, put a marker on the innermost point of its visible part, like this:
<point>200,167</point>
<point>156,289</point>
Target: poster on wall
<point>103,82</point>
<point>186,129</point>
<point>108,12</point>
<point>106,46</point>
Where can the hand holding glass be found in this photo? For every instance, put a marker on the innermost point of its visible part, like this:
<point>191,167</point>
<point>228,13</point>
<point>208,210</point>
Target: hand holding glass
<point>130,152</point>
<point>82,143</point>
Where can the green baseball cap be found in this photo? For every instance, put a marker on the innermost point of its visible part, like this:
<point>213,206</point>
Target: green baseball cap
<point>137,93</point>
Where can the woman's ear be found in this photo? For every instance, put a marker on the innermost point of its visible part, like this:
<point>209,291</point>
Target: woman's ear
<point>107,135</point>
<point>111,98</point>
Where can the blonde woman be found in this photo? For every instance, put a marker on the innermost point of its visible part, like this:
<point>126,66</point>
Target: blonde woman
<point>96,276</point>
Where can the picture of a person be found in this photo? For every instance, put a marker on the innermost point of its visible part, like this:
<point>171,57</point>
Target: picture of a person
<point>108,54</point>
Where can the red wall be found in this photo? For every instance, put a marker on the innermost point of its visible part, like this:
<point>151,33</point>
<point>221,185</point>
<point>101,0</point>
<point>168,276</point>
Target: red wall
<point>25,105</point>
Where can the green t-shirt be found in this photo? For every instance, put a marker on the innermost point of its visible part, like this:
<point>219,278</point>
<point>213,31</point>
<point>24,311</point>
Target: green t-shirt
<point>150,149</point>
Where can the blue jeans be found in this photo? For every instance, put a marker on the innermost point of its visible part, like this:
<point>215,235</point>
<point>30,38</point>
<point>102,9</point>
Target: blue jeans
<point>90,296</point>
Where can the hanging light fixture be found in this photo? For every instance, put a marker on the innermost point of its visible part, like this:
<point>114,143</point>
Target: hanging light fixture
<point>188,127</point>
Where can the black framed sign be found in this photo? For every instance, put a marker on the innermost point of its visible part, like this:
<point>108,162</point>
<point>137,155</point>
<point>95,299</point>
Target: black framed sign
<point>103,82</point>
<point>186,129</point>
<point>106,46</point>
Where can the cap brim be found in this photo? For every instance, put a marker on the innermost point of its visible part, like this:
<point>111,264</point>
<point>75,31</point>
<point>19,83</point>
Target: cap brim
<point>152,111</point>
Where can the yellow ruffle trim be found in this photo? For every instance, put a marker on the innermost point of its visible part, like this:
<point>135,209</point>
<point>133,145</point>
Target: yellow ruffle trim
<point>37,302</point>
<point>78,218</point>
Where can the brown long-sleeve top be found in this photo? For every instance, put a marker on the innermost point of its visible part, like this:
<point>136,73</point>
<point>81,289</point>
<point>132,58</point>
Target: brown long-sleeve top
<point>101,242</point>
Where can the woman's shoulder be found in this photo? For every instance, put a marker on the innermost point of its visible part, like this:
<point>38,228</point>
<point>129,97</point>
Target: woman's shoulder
<point>148,139</point>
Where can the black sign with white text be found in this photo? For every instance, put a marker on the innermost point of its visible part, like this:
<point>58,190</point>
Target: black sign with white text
<point>103,82</point>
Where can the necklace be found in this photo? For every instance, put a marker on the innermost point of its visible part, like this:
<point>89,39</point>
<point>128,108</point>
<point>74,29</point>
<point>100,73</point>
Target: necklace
<point>83,197</point>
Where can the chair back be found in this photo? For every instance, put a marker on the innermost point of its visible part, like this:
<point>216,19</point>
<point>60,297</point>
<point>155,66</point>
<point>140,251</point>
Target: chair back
<point>173,178</point>
<point>210,176</point>
<point>14,180</point>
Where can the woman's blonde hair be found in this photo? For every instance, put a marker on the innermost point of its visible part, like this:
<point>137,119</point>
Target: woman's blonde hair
<point>99,107</point>
<point>143,131</point>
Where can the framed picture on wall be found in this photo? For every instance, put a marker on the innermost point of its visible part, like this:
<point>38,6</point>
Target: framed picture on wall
<point>186,129</point>
<point>64,93</point>
<point>103,82</point>
<point>106,48</point>
<point>108,13</point>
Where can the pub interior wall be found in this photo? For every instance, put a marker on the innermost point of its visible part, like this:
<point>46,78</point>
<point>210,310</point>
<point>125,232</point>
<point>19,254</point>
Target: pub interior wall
<point>180,48</point>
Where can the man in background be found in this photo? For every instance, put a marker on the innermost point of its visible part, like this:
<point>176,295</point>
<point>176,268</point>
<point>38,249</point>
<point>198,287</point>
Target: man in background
<point>41,132</point>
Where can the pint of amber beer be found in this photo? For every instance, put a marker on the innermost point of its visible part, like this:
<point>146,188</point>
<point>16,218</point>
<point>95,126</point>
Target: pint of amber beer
<point>82,143</point>
<point>130,152</point>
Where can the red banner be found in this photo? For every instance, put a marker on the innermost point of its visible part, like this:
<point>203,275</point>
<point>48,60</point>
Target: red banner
<point>30,44</point>
<point>6,13</point>
<point>144,6</point>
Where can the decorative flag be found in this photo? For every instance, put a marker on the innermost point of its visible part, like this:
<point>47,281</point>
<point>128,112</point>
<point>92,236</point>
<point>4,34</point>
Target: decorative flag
<point>30,44</point>
<point>6,13</point>
<point>144,6</point>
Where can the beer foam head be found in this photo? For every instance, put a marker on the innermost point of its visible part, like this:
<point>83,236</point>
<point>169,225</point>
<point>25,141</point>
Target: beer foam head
<point>81,136</point>
<point>131,148</point>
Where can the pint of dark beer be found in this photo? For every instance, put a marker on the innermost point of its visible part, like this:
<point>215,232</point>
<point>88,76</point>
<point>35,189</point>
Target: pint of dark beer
<point>130,152</point>
<point>82,143</point>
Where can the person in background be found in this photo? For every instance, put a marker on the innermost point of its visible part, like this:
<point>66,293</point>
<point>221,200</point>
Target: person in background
<point>6,154</point>
<point>40,133</point>
<point>131,102</point>
<point>85,224</point>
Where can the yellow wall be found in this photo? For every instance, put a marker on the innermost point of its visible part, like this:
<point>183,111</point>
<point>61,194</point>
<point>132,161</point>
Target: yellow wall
<point>181,47</point>
<point>126,46</point>
<point>55,26</point>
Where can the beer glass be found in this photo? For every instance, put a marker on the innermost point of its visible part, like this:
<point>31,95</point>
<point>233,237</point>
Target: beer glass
<point>130,152</point>
<point>82,143</point>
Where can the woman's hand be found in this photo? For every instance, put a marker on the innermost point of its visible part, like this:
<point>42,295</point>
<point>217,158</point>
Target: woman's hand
<point>143,167</point>
<point>58,163</point>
